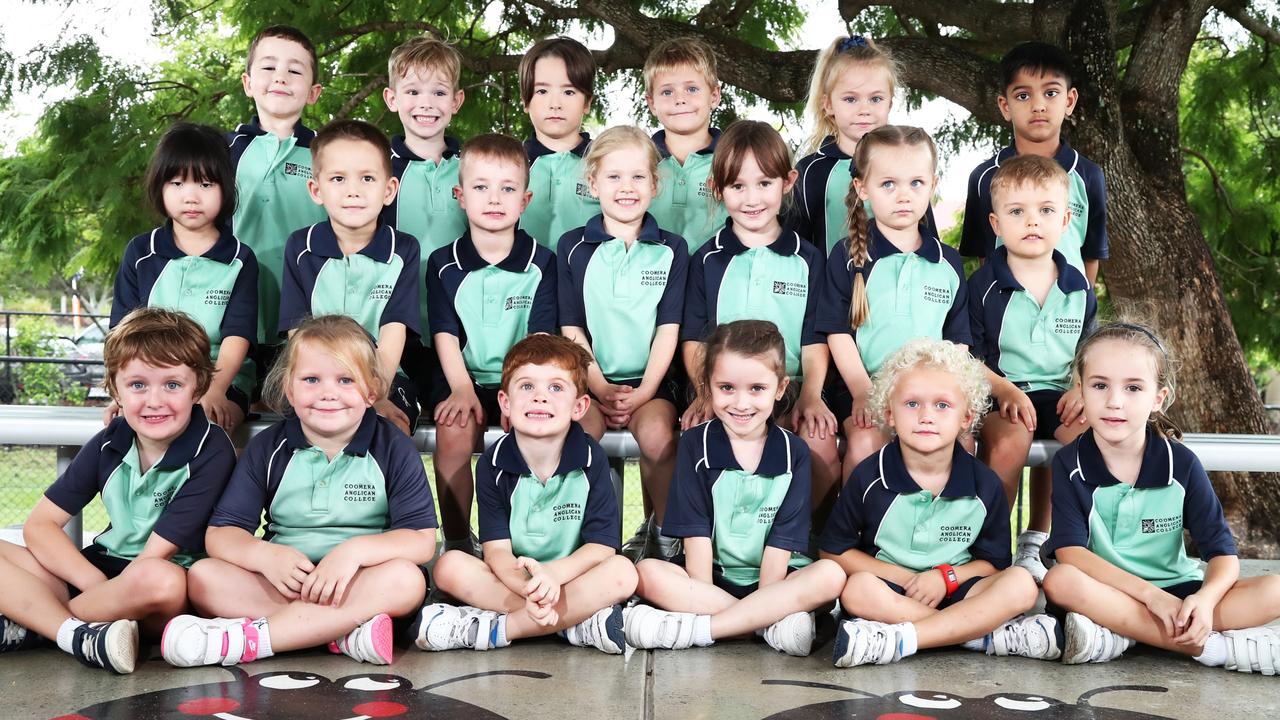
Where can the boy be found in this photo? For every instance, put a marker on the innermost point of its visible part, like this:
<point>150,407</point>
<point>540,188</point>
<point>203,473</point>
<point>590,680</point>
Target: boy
<point>159,467</point>
<point>353,264</point>
<point>1028,309</point>
<point>548,520</point>
<point>272,158</point>
<point>485,291</point>
<point>557,82</point>
<point>681,89</point>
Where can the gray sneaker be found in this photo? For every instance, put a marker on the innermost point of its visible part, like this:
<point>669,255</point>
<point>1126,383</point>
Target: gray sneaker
<point>666,548</point>
<point>637,548</point>
<point>1089,642</point>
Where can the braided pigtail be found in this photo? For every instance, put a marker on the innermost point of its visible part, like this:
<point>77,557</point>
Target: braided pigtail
<point>859,237</point>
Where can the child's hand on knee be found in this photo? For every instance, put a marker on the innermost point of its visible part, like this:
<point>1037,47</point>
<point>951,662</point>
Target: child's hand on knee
<point>1195,620</point>
<point>813,418</point>
<point>286,568</point>
<point>221,411</point>
<point>699,412</point>
<point>327,585</point>
<point>1165,608</point>
<point>388,410</point>
<point>1071,406</point>
<point>927,588</point>
<point>861,413</point>
<point>459,407</point>
<point>1014,404</point>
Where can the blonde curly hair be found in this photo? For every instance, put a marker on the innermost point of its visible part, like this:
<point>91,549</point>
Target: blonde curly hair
<point>924,353</point>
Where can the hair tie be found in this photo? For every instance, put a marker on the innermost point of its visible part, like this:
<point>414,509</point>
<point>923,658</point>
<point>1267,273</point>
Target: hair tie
<point>853,41</point>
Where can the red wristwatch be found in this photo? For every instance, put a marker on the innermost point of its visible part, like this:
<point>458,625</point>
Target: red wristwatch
<point>949,577</point>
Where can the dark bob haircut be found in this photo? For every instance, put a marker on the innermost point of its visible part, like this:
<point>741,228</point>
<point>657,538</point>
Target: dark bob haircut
<point>196,152</point>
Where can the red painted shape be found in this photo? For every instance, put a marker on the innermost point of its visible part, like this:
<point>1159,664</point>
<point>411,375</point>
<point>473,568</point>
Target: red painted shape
<point>72,716</point>
<point>380,709</point>
<point>208,706</point>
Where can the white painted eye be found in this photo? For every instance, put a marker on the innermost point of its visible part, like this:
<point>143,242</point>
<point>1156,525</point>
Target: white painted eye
<point>1034,704</point>
<point>371,685</point>
<point>288,682</point>
<point>942,702</point>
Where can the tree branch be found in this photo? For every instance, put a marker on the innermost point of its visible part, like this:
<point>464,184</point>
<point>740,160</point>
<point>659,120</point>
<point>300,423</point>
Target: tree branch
<point>1213,173</point>
<point>1238,10</point>
<point>364,92</point>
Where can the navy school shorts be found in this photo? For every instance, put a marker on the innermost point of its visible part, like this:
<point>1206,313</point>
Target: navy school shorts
<point>1046,404</point>
<point>947,602</point>
<point>440,392</point>
<point>109,565</point>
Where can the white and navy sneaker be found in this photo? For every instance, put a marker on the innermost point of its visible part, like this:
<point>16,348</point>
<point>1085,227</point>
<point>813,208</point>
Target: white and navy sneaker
<point>602,631</point>
<point>14,637</point>
<point>1028,557</point>
<point>1033,637</point>
<point>1089,642</point>
<point>648,628</point>
<point>449,627</point>
<point>862,642</point>
<point>792,634</point>
<point>1253,650</point>
<point>190,641</point>
<point>112,645</point>
<point>371,642</point>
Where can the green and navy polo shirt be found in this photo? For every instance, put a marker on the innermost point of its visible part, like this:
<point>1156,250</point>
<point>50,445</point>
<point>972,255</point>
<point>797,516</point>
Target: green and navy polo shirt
<point>1138,528</point>
<point>490,308</point>
<point>1032,346</point>
<point>173,498</point>
<point>620,295</point>
<point>884,513</point>
<point>562,198</point>
<point>1085,237</point>
<point>219,289</point>
<point>273,201</point>
<point>425,206</point>
<point>547,520</point>
<point>915,294</point>
<point>779,282</point>
<point>377,483</point>
<point>742,512</point>
<point>376,286</point>
<point>821,188</point>
<point>685,204</point>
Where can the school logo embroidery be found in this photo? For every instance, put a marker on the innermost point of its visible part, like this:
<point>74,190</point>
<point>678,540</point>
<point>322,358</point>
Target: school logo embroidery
<point>161,498</point>
<point>939,295</point>
<point>381,291</point>
<point>567,512</point>
<point>217,297</point>
<point>583,190</point>
<point>955,534</point>
<point>1161,525</point>
<point>1068,325</point>
<point>766,515</point>
<point>653,278</point>
<point>519,302</point>
<point>704,189</point>
<point>1077,211</point>
<point>296,170</point>
<point>792,289</point>
<point>359,492</point>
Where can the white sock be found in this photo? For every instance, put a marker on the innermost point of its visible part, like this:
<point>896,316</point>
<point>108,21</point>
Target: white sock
<point>1214,653</point>
<point>67,632</point>
<point>500,635</point>
<point>264,638</point>
<point>702,630</point>
<point>906,639</point>
<point>978,644</point>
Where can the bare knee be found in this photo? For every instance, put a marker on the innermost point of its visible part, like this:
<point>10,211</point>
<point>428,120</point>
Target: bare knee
<point>451,569</point>
<point>404,585</point>
<point>648,573</point>
<point>622,577</point>
<point>858,589</point>
<point>1020,588</point>
<point>156,585</point>
<point>656,441</point>
<point>1063,585</point>
<point>829,580</point>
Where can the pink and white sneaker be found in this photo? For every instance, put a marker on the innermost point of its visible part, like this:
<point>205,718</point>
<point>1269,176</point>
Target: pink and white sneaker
<point>191,641</point>
<point>370,642</point>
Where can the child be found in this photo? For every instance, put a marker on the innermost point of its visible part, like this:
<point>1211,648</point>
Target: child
<point>548,520</point>
<point>193,264</point>
<point>159,469</point>
<point>622,279</point>
<point>353,264</point>
<point>922,528</point>
<point>740,500</point>
<point>557,83</point>
<point>1028,309</point>
<point>681,89</point>
<point>755,268</point>
<point>485,291</point>
<point>1037,98</point>
<point>272,158</point>
<point>1122,494</point>
<point>348,518</point>
<point>888,282</point>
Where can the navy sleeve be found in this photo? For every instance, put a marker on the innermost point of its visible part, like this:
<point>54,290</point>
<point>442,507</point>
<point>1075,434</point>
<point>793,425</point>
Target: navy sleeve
<point>442,317</point>
<point>689,505</point>
<point>1095,245</point>
<point>409,501</point>
<point>601,521</point>
<point>994,539</point>
<point>695,299</point>
<point>492,503</point>
<point>845,524</point>
<point>804,209</point>
<point>573,313</point>
<point>1202,512</point>
<point>240,319</point>
<point>837,293</point>
<point>977,318</point>
<point>542,316</point>
<point>126,295</point>
<point>671,306</point>
<point>245,496</point>
<point>1090,314</point>
<point>956,325</point>
<point>790,529</point>
<point>185,518</point>
<point>809,327</point>
<point>976,236</point>
<point>1070,517</point>
<point>294,302</point>
<point>79,484</point>
<point>403,306</point>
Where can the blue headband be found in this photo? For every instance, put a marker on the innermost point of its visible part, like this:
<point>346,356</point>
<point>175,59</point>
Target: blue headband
<point>854,41</point>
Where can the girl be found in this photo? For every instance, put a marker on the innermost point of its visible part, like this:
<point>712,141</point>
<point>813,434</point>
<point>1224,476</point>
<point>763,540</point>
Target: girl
<point>621,280</point>
<point>850,94</point>
<point>740,500</point>
<point>922,528</point>
<point>1122,494</point>
<point>349,518</point>
<point>754,268</point>
<point>194,264</point>
<point>888,281</point>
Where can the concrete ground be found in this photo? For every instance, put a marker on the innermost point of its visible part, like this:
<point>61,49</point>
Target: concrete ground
<point>546,679</point>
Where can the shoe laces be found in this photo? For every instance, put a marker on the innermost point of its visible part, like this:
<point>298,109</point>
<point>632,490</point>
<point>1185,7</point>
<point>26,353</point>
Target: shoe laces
<point>86,638</point>
<point>880,639</point>
<point>13,633</point>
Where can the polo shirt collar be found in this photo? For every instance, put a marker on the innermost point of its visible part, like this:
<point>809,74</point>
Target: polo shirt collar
<point>358,445</point>
<point>1069,279</point>
<point>717,452</point>
<point>322,241</point>
<point>595,231</point>
<point>788,242</point>
<point>830,147</point>
<point>879,247</point>
<point>660,139</point>
<point>1066,156</point>
<point>576,454</point>
<point>518,260</point>
<point>535,149</point>
<point>400,150</point>
<point>224,250</point>
<point>896,477</point>
<point>180,452</point>
<point>303,134</point>
<point>1157,462</point>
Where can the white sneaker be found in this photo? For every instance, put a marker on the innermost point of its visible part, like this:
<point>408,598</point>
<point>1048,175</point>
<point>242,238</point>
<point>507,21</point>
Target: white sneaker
<point>1089,642</point>
<point>190,641</point>
<point>792,634</point>
<point>1027,556</point>
<point>1255,649</point>
<point>113,645</point>
<point>370,642</point>
<point>448,627</point>
<point>859,642</point>
<point>1032,637</point>
<point>649,628</point>
<point>602,631</point>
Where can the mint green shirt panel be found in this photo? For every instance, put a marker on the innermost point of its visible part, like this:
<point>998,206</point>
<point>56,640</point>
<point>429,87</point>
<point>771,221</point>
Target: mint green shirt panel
<point>1037,344</point>
<point>134,501</point>
<point>909,298</point>
<point>837,215</point>
<point>321,503</point>
<point>357,286</point>
<point>621,291</point>
<point>920,531</point>
<point>1073,236</point>
<point>744,506</point>
<point>427,210</point>
<point>760,284</point>
<point>201,287</point>
<point>546,519</point>
<point>273,201</point>
<point>1139,530</point>
<point>493,306</point>
<point>561,200</point>
<point>685,204</point>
